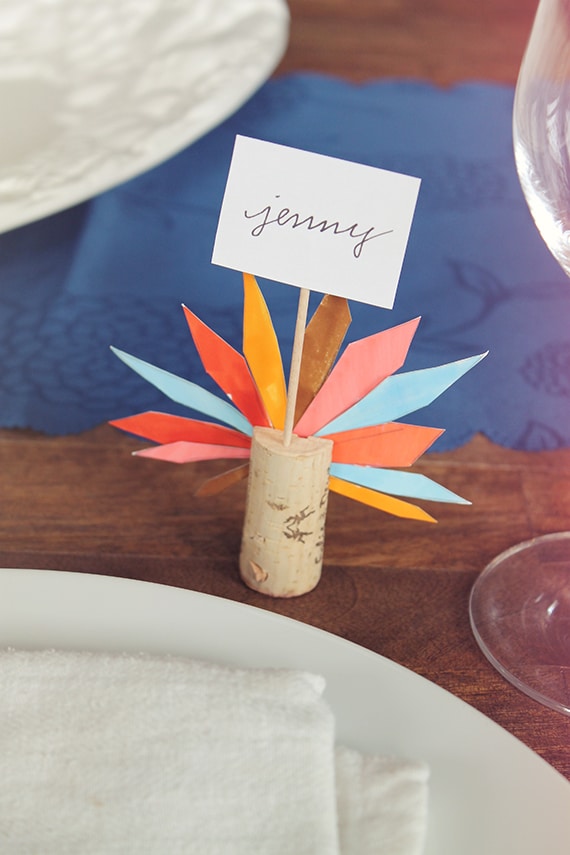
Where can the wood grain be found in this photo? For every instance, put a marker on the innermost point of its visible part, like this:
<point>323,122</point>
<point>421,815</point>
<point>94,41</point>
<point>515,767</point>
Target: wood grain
<point>444,41</point>
<point>83,503</point>
<point>401,588</point>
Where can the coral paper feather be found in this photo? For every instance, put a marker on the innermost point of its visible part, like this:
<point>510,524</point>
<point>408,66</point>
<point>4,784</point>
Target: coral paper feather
<point>261,350</point>
<point>390,444</point>
<point>188,452</point>
<point>228,368</point>
<point>362,366</point>
<point>165,427</point>
<point>379,500</point>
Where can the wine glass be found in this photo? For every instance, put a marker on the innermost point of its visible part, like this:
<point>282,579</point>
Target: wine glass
<point>520,604</point>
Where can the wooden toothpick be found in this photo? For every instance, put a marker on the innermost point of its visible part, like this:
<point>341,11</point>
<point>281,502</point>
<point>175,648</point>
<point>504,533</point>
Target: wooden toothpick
<point>296,357</point>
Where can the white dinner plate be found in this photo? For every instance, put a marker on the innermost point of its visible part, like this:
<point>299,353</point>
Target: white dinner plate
<point>489,794</point>
<point>93,92</point>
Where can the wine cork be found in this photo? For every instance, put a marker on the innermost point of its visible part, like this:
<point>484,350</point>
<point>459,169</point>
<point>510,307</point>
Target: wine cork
<point>286,506</point>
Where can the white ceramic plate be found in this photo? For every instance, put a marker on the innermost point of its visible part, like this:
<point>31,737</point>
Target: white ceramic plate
<point>488,793</point>
<point>93,92</point>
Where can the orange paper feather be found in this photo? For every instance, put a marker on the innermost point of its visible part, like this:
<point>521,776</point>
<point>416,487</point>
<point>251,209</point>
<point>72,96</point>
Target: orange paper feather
<point>391,444</point>
<point>261,350</point>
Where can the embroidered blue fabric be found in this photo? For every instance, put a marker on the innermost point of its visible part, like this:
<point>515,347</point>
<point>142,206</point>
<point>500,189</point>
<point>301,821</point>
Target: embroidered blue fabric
<point>115,270</point>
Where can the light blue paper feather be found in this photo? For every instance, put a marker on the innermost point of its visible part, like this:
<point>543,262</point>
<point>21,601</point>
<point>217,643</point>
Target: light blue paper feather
<point>410,484</point>
<point>187,393</point>
<point>399,395</point>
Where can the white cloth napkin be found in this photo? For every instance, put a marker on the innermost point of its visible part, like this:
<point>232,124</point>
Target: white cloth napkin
<point>104,754</point>
<point>381,804</point>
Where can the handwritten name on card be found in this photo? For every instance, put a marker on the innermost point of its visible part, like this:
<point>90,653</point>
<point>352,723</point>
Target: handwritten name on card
<point>315,221</point>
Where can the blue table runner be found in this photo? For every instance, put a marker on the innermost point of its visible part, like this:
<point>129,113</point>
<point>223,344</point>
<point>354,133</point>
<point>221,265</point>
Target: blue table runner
<point>115,269</point>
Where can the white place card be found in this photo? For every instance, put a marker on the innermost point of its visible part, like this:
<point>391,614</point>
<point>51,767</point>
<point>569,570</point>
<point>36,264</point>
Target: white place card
<point>314,221</point>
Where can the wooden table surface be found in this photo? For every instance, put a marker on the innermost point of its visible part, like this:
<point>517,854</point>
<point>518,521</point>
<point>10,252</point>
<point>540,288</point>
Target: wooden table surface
<point>82,503</point>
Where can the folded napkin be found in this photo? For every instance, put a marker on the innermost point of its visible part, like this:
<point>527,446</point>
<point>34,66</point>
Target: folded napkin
<point>381,804</point>
<point>107,754</point>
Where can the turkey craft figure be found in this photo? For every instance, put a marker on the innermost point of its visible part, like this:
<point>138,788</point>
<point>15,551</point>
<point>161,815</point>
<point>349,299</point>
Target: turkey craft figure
<point>334,426</point>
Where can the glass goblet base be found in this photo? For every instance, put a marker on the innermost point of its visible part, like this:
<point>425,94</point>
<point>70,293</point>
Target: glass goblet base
<point>520,615</point>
